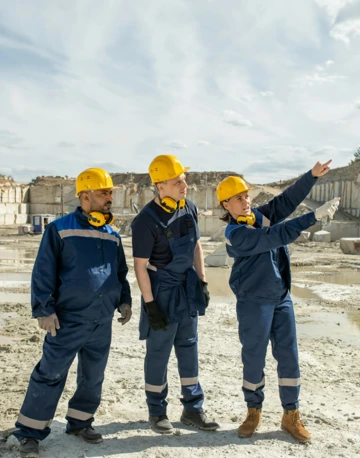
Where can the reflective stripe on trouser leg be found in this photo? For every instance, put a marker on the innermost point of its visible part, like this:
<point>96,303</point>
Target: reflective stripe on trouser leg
<point>158,349</point>
<point>186,349</point>
<point>285,351</point>
<point>254,332</point>
<point>92,360</point>
<point>48,379</point>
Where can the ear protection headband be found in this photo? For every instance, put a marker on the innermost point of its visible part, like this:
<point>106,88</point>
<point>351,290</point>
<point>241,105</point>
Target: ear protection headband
<point>250,219</point>
<point>98,219</point>
<point>170,205</point>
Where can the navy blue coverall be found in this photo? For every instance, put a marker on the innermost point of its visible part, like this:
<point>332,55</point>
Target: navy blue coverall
<point>179,294</point>
<point>261,281</point>
<point>79,274</point>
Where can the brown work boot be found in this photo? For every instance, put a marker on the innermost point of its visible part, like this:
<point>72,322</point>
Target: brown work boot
<point>252,422</point>
<point>292,424</point>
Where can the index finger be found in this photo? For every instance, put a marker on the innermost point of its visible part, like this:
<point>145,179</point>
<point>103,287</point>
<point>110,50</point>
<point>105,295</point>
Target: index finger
<point>327,163</point>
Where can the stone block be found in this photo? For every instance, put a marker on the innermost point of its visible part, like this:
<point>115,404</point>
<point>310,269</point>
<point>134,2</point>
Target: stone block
<point>21,219</point>
<point>23,209</point>
<point>219,235</point>
<point>9,219</point>
<point>303,237</point>
<point>350,245</point>
<point>219,258</point>
<point>322,236</point>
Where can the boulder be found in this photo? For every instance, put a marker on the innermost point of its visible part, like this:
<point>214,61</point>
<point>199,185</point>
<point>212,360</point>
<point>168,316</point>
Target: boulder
<point>303,237</point>
<point>219,235</point>
<point>322,236</point>
<point>219,257</point>
<point>350,245</point>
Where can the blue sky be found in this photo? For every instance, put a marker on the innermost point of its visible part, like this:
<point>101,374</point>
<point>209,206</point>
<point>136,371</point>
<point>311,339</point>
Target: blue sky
<point>263,88</point>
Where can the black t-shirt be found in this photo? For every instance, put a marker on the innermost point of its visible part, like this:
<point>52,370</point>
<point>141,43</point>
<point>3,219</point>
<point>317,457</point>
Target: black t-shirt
<point>148,238</point>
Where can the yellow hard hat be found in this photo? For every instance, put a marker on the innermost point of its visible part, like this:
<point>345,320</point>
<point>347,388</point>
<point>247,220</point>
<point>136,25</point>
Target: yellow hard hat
<point>165,167</point>
<point>230,186</point>
<point>91,179</point>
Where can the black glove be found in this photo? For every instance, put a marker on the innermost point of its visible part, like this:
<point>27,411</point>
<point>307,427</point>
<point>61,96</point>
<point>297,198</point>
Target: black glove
<point>157,319</point>
<point>206,292</point>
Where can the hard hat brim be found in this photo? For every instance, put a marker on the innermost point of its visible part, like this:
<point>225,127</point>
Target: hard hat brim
<point>98,189</point>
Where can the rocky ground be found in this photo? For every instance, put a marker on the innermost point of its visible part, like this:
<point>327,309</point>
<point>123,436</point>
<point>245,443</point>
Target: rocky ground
<point>326,295</point>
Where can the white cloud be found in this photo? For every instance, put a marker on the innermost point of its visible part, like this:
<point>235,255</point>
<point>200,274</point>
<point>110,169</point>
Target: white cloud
<point>203,143</point>
<point>144,76</point>
<point>317,78</point>
<point>346,30</point>
<point>357,104</point>
<point>344,16</point>
<point>177,144</point>
<point>64,144</point>
<point>231,117</point>
<point>332,7</point>
<point>267,93</point>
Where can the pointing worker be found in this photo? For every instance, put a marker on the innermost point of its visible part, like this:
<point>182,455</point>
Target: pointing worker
<point>256,238</point>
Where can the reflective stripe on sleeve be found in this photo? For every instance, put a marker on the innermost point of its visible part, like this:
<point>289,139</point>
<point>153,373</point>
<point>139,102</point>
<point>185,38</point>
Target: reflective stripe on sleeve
<point>88,233</point>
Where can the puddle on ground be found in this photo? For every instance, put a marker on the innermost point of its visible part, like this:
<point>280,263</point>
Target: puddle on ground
<point>323,275</point>
<point>218,280</point>
<point>15,276</point>
<point>16,298</point>
<point>303,292</point>
<point>338,278</point>
<point>19,256</point>
<point>337,326</point>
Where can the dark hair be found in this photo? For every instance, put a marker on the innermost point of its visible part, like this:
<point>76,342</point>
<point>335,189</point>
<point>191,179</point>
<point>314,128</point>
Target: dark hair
<point>226,217</point>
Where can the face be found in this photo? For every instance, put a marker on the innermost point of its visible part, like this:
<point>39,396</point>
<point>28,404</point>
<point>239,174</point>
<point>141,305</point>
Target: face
<point>238,205</point>
<point>175,188</point>
<point>99,200</point>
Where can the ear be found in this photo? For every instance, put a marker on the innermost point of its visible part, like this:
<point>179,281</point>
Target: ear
<point>84,197</point>
<point>159,186</point>
<point>225,205</point>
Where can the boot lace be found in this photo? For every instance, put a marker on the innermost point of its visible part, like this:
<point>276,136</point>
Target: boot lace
<point>252,414</point>
<point>296,420</point>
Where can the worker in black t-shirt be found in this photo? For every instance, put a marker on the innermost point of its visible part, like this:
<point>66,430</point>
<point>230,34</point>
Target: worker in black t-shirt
<point>169,268</point>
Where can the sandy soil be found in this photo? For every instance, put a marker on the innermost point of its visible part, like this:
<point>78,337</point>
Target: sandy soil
<point>327,303</point>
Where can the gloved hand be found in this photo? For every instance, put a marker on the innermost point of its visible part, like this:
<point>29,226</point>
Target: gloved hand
<point>49,323</point>
<point>126,313</point>
<point>157,319</point>
<point>328,209</point>
<point>206,292</point>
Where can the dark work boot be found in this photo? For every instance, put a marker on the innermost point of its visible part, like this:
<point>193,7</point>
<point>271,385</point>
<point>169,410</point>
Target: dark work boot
<point>161,424</point>
<point>29,447</point>
<point>88,434</point>
<point>199,420</point>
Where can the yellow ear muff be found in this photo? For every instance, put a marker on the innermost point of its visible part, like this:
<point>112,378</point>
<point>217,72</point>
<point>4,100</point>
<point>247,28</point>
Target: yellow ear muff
<point>98,219</point>
<point>170,205</point>
<point>250,219</point>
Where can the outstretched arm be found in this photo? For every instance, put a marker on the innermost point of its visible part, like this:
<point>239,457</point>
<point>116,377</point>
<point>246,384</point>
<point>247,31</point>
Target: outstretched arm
<point>285,203</point>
